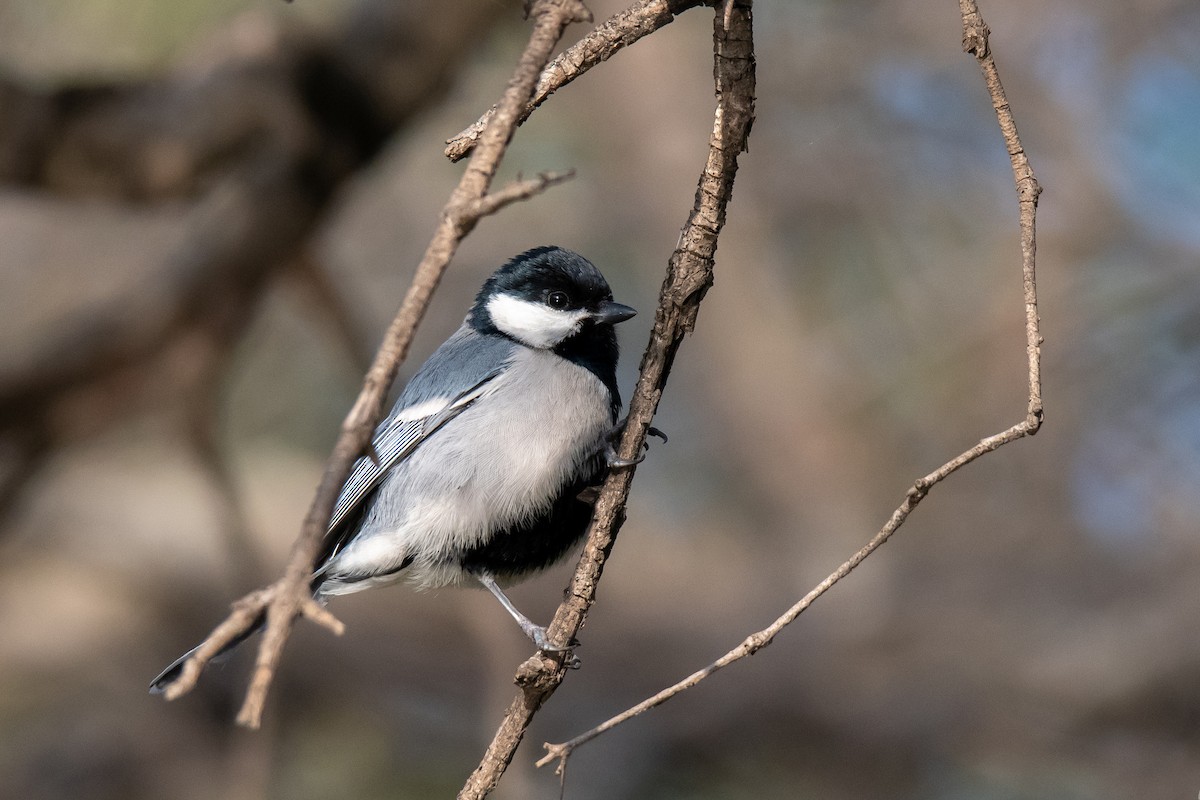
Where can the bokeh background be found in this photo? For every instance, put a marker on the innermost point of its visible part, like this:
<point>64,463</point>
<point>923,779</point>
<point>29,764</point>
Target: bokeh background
<point>1030,633</point>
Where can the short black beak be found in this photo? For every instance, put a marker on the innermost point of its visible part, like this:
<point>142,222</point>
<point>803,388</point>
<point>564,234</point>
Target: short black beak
<point>610,313</point>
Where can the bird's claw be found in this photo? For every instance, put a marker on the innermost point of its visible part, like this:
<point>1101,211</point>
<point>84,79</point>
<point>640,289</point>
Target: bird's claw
<point>615,461</point>
<point>542,642</point>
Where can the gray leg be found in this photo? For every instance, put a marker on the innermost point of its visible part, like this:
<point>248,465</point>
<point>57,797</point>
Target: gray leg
<point>535,632</point>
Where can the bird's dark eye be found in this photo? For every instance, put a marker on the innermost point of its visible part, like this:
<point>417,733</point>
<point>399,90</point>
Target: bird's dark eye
<point>558,300</point>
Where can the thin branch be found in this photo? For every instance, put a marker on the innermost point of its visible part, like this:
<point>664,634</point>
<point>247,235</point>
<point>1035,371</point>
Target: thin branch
<point>289,597</point>
<point>975,41</point>
<point>617,32</point>
<point>519,190</point>
<point>689,274</point>
<point>757,641</point>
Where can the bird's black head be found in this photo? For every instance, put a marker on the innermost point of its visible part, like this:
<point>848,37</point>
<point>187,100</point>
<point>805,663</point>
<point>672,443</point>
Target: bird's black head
<point>549,298</point>
<point>545,298</point>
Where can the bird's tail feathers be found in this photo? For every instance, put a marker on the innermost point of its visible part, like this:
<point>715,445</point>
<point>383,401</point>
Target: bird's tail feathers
<point>171,673</point>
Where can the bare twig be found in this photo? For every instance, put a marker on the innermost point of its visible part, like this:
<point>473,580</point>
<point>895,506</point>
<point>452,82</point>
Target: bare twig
<point>975,42</point>
<point>621,30</point>
<point>689,274</point>
<point>519,190</point>
<point>975,35</point>
<point>289,598</point>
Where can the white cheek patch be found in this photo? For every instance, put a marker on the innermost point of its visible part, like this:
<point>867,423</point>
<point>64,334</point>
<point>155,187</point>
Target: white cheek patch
<point>534,324</point>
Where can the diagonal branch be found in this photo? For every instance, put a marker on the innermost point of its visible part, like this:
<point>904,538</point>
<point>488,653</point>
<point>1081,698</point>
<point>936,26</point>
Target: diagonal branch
<point>621,30</point>
<point>975,41</point>
<point>289,597</point>
<point>689,274</point>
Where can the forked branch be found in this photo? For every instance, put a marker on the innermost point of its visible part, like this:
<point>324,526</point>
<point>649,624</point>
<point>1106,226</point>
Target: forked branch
<point>289,597</point>
<point>975,41</point>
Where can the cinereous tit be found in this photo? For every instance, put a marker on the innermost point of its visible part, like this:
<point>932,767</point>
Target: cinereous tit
<point>476,475</point>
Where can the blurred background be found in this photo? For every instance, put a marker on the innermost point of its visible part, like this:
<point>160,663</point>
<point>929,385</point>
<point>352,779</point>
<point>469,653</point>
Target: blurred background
<point>210,209</point>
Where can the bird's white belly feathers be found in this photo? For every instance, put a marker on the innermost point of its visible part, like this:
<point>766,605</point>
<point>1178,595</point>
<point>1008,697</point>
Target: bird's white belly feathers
<point>502,460</point>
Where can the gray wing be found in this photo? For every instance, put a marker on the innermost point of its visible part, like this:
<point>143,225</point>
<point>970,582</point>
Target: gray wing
<point>393,442</point>
<point>455,376</point>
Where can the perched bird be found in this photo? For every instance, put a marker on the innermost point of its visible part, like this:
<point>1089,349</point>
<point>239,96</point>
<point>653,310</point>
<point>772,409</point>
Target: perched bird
<point>477,473</point>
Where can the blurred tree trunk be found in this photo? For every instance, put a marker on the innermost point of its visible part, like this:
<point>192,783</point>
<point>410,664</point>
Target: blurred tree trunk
<point>228,165</point>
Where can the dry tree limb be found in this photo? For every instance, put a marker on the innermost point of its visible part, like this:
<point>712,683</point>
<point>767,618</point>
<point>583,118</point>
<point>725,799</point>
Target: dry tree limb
<point>621,30</point>
<point>289,597</point>
<point>689,274</point>
<point>975,41</point>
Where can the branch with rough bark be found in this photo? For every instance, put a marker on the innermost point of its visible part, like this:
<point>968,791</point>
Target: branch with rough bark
<point>689,274</point>
<point>975,42</point>
<point>289,598</point>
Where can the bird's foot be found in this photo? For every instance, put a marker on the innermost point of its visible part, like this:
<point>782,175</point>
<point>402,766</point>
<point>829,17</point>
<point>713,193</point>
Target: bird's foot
<point>610,452</point>
<point>541,640</point>
<point>614,461</point>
